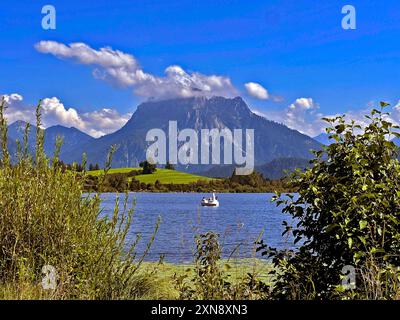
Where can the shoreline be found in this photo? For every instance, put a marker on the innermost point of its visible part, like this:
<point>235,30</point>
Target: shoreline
<point>180,192</point>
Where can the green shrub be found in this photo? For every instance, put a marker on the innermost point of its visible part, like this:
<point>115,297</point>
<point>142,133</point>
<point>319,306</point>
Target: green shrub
<point>147,167</point>
<point>346,213</point>
<point>115,182</point>
<point>45,220</point>
<point>211,276</point>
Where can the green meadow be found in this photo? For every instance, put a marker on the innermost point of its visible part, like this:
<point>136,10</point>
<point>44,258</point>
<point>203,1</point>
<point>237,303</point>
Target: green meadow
<point>166,280</point>
<point>164,176</point>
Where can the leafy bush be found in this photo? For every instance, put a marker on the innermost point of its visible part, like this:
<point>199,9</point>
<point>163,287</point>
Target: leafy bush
<point>346,213</point>
<point>115,182</point>
<point>45,220</point>
<point>147,167</point>
<point>254,179</point>
<point>211,279</point>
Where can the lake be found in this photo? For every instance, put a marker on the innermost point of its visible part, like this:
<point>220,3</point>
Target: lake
<point>239,220</point>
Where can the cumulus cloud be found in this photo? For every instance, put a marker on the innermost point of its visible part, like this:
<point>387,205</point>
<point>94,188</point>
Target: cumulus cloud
<point>105,121</point>
<point>303,104</point>
<point>96,123</point>
<point>301,115</point>
<point>124,69</point>
<point>397,107</point>
<point>16,109</point>
<point>257,90</point>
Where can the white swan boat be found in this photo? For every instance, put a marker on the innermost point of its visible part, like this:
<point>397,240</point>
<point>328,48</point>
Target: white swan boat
<point>210,202</point>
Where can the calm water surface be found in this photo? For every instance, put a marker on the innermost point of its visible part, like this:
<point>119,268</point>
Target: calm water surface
<point>239,220</point>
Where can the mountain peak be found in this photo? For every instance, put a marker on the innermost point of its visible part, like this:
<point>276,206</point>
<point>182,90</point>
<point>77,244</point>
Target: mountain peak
<point>19,124</point>
<point>198,100</point>
<point>61,127</point>
<point>323,138</point>
<point>192,112</point>
<point>272,140</point>
<point>212,104</point>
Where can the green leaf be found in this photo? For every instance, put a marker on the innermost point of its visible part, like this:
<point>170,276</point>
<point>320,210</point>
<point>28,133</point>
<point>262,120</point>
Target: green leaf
<point>363,224</point>
<point>384,104</point>
<point>314,189</point>
<point>350,242</point>
<point>331,227</point>
<point>340,128</point>
<point>377,250</point>
<point>358,255</point>
<point>362,239</point>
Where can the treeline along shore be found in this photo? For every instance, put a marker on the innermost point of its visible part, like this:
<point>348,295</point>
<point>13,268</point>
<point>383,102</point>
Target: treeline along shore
<point>127,181</point>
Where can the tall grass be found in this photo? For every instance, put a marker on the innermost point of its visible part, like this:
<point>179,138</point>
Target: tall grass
<point>45,220</point>
<point>211,278</point>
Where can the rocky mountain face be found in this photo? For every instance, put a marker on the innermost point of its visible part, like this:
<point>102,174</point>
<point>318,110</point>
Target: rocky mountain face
<point>272,140</point>
<point>72,138</point>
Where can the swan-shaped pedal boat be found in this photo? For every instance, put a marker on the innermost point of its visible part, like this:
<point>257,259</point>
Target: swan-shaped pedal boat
<point>210,202</point>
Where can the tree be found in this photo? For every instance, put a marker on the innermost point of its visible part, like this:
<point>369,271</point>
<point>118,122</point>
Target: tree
<point>347,213</point>
<point>147,167</point>
<point>169,166</point>
<point>116,181</point>
<point>254,179</point>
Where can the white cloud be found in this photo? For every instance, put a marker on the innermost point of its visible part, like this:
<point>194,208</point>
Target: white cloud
<point>15,109</point>
<point>256,90</point>
<point>54,112</point>
<point>96,123</point>
<point>303,104</point>
<point>302,115</point>
<point>124,69</point>
<point>105,121</point>
<point>397,106</point>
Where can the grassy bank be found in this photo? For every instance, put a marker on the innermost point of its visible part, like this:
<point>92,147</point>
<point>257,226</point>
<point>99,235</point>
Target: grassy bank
<point>97,173</point>
<point>164,176</point>
<point>165,277</point>
<point>156,281</point>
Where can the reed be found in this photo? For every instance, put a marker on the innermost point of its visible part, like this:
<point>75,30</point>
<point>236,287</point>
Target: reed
<point>46,221</point>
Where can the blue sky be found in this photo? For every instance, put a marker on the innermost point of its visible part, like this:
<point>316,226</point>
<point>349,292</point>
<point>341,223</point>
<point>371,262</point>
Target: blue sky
<point>294,49</point>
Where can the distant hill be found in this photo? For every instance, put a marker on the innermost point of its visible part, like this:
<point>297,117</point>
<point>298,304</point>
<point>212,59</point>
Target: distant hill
<point>72,137</point>
<point>218,171</point>
<point>279,168</point>
<point>272,140</point>
<point>273,170</point>
<point>323,138</point>
<point>16,132</point>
